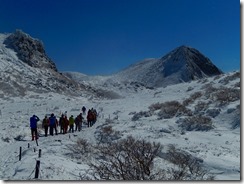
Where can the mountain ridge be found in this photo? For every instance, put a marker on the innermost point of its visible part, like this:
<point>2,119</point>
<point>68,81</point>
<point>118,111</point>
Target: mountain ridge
<point>25,68</point>
<point>182,64</point>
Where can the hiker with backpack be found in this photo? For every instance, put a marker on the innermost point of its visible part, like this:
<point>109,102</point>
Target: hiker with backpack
<point>71,124</point>
<point>33,125</point>
<point>56,126</point>
<point>78,122</point>
<point>94,114</point>
<point>89,118</point>
<point>45,125</point>
<point>62,124</point>
<point>83,110</point>
<point>66,124</point>
<point>52,123</point>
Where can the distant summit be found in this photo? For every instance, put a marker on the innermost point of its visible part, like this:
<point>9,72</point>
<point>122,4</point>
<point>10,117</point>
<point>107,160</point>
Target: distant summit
<point>183,64</point>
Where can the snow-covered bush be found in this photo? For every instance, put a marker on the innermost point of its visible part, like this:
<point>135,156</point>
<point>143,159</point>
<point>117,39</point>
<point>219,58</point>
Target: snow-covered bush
<point>197,122</point>
<point>81,149</point>
<point>187,167</point>
<point>171,109</point>
<point>213,112</point>
<point>192,98</point>
<point>232,77</point>
<point>209,89</point>
<point>131,159</point>
<point>105,134</point>
<point>127,159</point>
<point>155,106</point>
<point>200,106</point>
<point>141,114</point>
<point>6,139</point>
<point>226,95</point>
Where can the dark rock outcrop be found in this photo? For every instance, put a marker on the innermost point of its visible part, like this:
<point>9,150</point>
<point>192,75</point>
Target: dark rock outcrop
<point>29,50</point>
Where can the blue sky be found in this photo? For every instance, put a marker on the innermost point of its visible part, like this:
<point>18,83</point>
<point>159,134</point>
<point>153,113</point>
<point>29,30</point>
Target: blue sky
<point>105,36</point>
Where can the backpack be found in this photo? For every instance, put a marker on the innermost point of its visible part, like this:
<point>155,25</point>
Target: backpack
<point>52,121</point>
<point>45,122</point>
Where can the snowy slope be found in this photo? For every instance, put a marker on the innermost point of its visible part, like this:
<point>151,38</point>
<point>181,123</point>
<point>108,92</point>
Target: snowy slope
<point>37,74</point>
<point>219,148</point>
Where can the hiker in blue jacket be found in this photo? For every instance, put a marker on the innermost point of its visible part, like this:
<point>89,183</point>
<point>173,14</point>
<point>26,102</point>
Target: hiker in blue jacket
<point>52,123</point>
<point>33,125</point>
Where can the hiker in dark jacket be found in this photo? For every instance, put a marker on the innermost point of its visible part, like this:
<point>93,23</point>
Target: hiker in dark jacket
<point>84,110</point>
<point>62,124</point>
<point>45,125</point>
<point>33,125</point>
<point>52,123</point>
<point>78,122</point>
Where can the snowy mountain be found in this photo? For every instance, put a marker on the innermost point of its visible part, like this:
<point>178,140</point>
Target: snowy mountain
<point>183,64</point>
<point>25,67</point>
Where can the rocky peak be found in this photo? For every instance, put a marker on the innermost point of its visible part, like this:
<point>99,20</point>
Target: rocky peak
<point>29,50</point>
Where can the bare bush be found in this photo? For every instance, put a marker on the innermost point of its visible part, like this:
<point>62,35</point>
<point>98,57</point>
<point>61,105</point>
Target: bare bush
<point>232,77</point>
<point>81,149</point>
<point>130,159</point>
<point>127,159</point>
<point>209,89</point>
<point>6,139</point>
<point>171,109</point>
<point>141,114</point>
<point>213,112</point>
<point>197,122</point>
<point>226,95</point>
<point>105,134</point>
<point>187,166</point>
<point>192,98</point>
<point>237,85</point>
<point>201,106</point>
<point>156,106</point>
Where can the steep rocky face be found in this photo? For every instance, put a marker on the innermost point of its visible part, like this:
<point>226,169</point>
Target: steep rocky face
<point>183,64</point>
<point>190,61</point>
<point>25,68</point>
<point>29,50</point>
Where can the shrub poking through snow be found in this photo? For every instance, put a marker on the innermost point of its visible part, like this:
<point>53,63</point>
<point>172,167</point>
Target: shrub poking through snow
<point>131,159</point>
<point>232,77</point>
<point>127,159</point>
<point>171,109</point>
<point>192,98</point>
<point>186,167</point>
<point>197,123</point>
<point>105,134</point>
<point>200,106</point>
<point>81,149</point>
<point>226,95</point>
<point>141,114</point>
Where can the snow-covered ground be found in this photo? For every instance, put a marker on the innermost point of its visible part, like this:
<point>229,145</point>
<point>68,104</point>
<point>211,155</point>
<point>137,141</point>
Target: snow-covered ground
<point>219,148</point>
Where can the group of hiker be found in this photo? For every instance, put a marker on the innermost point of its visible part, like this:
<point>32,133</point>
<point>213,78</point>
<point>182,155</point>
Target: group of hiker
<point>52,123</point>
